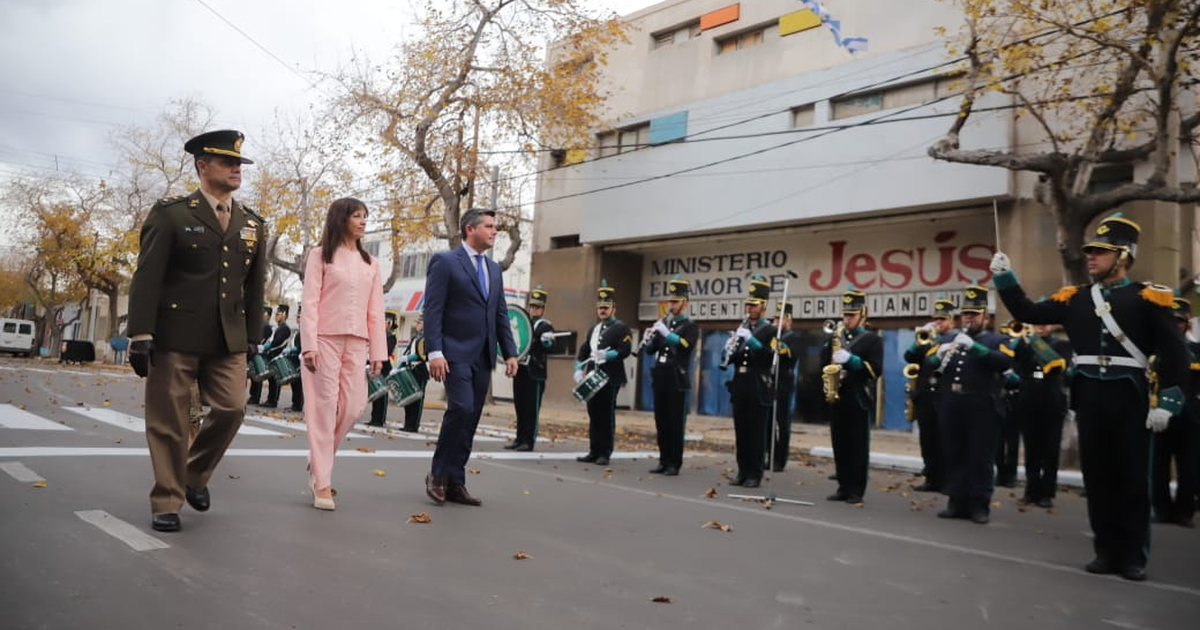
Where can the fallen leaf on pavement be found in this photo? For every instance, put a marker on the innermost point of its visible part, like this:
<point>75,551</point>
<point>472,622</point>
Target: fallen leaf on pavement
<point>365,449</point>
<point>661,599</point>
<point>420,517</point>
<point>521,555</point>
<point>712,493</point>
<point>379,472</point>
<point>716,525</point>
<point>39,484</point>
<point>472,471</point>
<point>235,476</point>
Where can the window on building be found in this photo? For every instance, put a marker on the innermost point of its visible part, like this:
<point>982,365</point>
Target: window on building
<point>413,265</point>
<point>745,39</point>
<point>951,85</point>
<point>675,35</point>
<point>662,40</point>
<point>908,95</point>
<point>856,105</point>
<point>372,248</point>
<point>623,140</point>
<point>567,241</point>
<point>607,142</point>
<point>804,115</point>
<point>1106,177</point>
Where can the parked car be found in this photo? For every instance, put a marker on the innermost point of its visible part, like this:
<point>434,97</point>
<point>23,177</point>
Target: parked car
<point>16,336</point>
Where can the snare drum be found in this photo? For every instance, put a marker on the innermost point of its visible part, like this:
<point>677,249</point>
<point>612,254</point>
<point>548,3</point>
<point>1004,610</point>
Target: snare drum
<point>403,387</point>
<point>259,371</point>
<point>375,387</point>
<point>591,384</point>
<point>285,371</point>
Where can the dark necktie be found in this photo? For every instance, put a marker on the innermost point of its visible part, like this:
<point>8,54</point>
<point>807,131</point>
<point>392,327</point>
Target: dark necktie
<point>479,272</point>
<point>223,216</point>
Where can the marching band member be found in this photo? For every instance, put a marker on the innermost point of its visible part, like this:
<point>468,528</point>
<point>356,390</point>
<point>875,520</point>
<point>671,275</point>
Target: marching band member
<point>925,399</point>
<point>605,348</point>
<point>749,352</point>
<point>1042,360</point>
<point>785,387</point>
<point>670,344</point>
<point>530,382</point>
<point>859,353</point>
<point>1178,442</point>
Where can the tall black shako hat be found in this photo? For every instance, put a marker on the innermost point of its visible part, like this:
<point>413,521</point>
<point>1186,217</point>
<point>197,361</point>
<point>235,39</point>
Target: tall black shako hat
<point>943,308</point>
<point>1116,233</point>
<point>226,142</point>
<point>677,288</point>
<point>853,301</point>
<point>975,299</point>
<point>537,297</point>
<point>760,290</point>
<point>1182,309</point>
<point>605,293</point>
<point>784,309</point>
<point>283,308</point>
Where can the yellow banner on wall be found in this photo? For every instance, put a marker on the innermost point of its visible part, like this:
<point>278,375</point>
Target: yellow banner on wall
<point>798,21</point>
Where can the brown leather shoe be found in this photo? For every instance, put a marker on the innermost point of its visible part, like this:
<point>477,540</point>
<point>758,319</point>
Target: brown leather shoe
<point>435,488</point>
<point>459,494</point>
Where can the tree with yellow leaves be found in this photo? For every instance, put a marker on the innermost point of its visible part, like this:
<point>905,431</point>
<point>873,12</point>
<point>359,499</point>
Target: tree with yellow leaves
<point>1108,85</point>
<point>477,68</point>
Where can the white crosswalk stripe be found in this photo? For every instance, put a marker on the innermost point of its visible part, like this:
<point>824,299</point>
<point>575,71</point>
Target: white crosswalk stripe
<point>122,531</point>
<point>299,427</point>
<point>138,425</point>
<point>21,472</point>
<point>16,418</point>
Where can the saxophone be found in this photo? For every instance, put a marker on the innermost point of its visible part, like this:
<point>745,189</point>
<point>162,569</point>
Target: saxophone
<point>910,387</point>
<point>831,375</point>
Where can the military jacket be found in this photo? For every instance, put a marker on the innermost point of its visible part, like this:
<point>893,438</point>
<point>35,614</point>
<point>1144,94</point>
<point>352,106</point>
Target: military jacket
<point>975,370</point>
<point>673,356</point>
<point>614,335</point>
<point>417,362</point>
<point>927,377</point>
<point>868,347</point>
<point>1042,361</point>
<point>534,361</point>
<point>198,289</point>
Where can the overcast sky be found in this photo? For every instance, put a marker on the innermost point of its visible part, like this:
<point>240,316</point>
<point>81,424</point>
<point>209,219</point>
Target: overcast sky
<point>75,70</point>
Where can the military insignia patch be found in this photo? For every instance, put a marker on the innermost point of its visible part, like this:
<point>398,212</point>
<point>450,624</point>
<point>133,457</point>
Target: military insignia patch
<point>1103,229</point>
<point>194,203</point>
<point>249,234</point>
<point>193,229</point>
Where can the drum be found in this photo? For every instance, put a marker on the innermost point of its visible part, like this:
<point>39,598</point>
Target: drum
<point>259,371</point>
<point>591,384</point>
<point>522,331</point>
<point>285,371</point>
<point>375,387</point>
<point>403,387</point>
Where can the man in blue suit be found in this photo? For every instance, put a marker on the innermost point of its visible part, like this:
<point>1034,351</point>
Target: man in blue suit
<point>465,319</point>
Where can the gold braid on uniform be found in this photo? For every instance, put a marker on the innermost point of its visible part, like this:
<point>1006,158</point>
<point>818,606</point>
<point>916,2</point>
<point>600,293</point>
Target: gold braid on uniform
<point>1157,294</point>
<point>1064,294</point>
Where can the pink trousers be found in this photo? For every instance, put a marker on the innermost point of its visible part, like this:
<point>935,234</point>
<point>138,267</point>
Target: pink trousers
<point>334,397</point>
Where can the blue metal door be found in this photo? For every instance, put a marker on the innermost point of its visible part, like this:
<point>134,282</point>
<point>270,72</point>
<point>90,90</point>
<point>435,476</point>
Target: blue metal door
<point>895,342</point>
<point>713,399</point>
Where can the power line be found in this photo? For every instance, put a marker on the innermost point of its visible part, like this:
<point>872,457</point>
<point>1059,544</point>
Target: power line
<point>258,45</point>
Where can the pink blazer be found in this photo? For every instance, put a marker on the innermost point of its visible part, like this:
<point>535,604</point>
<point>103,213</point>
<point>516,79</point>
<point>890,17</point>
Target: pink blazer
<point>344,297</point>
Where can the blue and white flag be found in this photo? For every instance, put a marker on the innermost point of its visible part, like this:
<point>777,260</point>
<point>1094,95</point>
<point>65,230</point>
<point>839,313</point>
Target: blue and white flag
<point>851,44</point>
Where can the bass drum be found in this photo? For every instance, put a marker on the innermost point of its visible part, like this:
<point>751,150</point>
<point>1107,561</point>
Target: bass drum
<point>522,331</point>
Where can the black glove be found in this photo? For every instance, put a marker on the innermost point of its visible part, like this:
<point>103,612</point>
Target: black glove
<point>141,356</point>
<point>251,350</point>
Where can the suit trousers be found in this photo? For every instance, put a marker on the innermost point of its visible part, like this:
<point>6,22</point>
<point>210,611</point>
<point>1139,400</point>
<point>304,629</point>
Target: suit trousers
<point>527,402</point>
<point>466,390</point>
<point>602,421</point>
<point>970,428</point>
<point>926,409</point>
<point>337,396</point>
<point>850,436</point>
<point>670,420</point>
<point>1114,454</point>
<point>221,379</point>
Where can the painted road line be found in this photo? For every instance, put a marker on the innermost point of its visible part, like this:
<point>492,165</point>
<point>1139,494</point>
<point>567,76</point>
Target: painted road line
<point>24,452</point>
<point>298,427</point>
<point>502,432</point>
<point>15,418</point>
<point>122,531</point>
<point>909,463</point>
<point>138,425</point>
<point>20,472</point>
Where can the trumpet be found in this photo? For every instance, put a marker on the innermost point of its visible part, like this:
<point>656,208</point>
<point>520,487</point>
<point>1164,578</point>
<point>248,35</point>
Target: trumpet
<point>925,334</point>
<point>733,344</point>
<point>910,387</point>
<point>649,336</point>
<point>831,375</point>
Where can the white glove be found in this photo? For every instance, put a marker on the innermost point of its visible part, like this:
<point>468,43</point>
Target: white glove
<point>964,341</point>
<point>402,359</point>
<point>743,332</point>
<point>262,347</point>
<point>661,328</point>
<point>841,356</point>
<point>945,349</point>
<point>929,326</point>
<point>1157,419</point>
<point>548,336</point>
<point>578,376</point>
<point>1000,263</point>
<point>600,356</point>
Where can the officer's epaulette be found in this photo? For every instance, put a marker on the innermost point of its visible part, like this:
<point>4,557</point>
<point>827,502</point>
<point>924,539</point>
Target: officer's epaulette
<point>1064,294</point>
<point>254,214</point>
<point>166,201</point>
<point>1158,294</point>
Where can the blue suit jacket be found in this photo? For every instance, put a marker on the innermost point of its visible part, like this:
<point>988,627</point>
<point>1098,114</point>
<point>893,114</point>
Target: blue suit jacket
<point>460,321</point>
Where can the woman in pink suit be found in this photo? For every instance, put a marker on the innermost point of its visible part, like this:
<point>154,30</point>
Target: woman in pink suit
<point>341,324</point>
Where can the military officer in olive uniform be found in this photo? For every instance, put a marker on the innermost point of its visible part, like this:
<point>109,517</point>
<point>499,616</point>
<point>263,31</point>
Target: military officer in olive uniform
<point>789,349</point>
<point>605,348</point>
<point>1114,325</point>
<point>925,399</point>
<point>415,358</point>
<point>749,354</point>
<point>971,367</point>
<point>859,352</point>
<point>1041,360</point>
<point>529,384</point>
<point>195,312</point>
<point>1178,443</point>
<point>669,344</point>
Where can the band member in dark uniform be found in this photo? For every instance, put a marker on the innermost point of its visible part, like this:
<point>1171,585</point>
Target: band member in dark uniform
<point>669,344</point>
<point>749,353</point>
<point>1008,445</point>
<point>379,405</point>
<point>1113,324</point>
<point>859,354</point>
<point>530,382</point>
<point>1042,360</point>
<point>276,346</point>
<point>605,348</point>
<point>971,365</point>
<point>925,399</point>
<point>785,388</point>
<point>293,353</point>
<point>414,356</point>
<point>1178,444</point>
<point>256,386</point>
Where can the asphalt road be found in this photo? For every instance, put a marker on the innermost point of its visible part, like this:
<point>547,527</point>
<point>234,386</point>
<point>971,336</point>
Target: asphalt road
<point>601,543</point>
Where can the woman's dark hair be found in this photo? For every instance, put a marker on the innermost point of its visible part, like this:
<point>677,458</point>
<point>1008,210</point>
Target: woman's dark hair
<point>334,233</point>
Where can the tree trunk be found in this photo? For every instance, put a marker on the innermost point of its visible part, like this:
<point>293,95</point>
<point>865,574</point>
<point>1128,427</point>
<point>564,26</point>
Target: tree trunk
<point>114,326</point>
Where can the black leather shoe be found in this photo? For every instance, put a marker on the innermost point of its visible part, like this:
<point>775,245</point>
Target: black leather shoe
<point>752,482</point>
<point>298,409</point>
<point>586,459</point>
<point>1134,574</point>
<point>523,448</point>
<point>1100,565</point>
<point>165,522</point>
<point>1186,521</point>
<point>777,468</point>
<point>836,496</point>
<point>853,499</point>
<point>601,461</point>
<point>926,487</point>
<point>671,471</point>
<point>251,401</point>
<point>270,404</point>
<point>658,470</point>
<point>511,445</point>
<point>373,424</point>
<point>1045,503</point>
<point>980,517</point>
<point>949,513</point>
<point>737,481</point>
<point>198,499</point>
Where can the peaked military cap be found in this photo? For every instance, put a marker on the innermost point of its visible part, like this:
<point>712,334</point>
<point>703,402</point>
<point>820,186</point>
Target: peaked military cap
<point>760,290</point>
<point>226,142</point>
<point>853,301</point>
<point>943,308</point>
<point>537,297</point>
<point>784,308</point>
<point>1116,233</point>
<point>604,294</point>
<point>677,288</point>
<point>1182,309</point>
<point>975,299</point>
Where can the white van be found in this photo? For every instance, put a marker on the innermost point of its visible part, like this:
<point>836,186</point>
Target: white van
<point>16,336</point>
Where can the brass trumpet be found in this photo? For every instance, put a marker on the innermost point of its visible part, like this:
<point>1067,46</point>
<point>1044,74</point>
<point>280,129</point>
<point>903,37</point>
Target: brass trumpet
<point>925,334</point>
<point>831,375</point>
<point>910,388</point>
